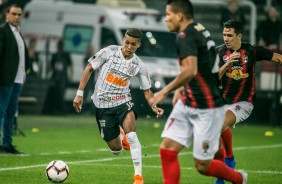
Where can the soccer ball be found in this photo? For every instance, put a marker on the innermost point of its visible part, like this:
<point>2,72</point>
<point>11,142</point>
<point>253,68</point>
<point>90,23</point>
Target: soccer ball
<point>57,171</point>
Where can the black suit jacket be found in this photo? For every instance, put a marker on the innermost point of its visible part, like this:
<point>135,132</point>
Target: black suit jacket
<point>9,56</point>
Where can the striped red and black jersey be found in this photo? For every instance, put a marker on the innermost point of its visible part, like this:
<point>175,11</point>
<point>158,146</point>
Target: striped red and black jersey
<point>238,82</point>
<point>203,90</point>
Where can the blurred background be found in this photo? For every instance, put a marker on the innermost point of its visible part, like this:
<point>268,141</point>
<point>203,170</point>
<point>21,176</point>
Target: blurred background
<point>79,28</point>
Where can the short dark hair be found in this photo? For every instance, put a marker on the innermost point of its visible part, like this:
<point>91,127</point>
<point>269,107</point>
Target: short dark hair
<point>234,24</point>
<point>135,33</point>
<point>12,6</point>
<point>183,6</point>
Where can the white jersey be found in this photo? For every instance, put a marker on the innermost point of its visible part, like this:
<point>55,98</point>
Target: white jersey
<point>114,74</point>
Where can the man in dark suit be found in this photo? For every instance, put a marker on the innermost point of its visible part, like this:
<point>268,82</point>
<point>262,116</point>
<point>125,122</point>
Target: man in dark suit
<point>14,63</point>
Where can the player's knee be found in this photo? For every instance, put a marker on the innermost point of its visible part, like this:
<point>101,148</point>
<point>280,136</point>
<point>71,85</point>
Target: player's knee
<point>115,148</point>
<point>201,166</point>
<point>132,137</point>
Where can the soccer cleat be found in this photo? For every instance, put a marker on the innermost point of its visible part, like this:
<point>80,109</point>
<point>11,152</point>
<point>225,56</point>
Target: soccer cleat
<point>124,141</point>
<point>219,181</point>
<point>230,162</point>
<point>244,176</point>
<point>138,179</point>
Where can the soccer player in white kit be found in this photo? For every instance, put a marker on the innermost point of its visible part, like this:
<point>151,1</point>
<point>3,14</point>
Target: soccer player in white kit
<point>114,108</point>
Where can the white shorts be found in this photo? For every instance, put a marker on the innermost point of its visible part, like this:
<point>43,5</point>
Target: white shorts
<point>242,110</point>
<point>202,127</point>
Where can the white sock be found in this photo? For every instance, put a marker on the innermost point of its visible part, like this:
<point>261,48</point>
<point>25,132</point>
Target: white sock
<point>135,150</point>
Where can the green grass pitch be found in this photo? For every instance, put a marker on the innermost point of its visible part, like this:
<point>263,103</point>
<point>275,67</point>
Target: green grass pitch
<point>75,140</point>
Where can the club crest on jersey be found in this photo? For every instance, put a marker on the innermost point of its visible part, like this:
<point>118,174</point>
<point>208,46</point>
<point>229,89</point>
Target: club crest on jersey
<point>237,108</point>
<point>225,58</point>
<point>182,35</point>
<point>131,69</point>
<point>245,59</point>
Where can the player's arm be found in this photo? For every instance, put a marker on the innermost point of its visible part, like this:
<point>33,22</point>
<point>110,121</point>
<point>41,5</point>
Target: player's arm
<point>78,100</point>
<point>189,69</point>
<point>177,95</point>
<point>277,58</point>
<point>148,95</point>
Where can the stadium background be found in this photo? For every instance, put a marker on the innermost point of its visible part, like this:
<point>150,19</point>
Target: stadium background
<point>268,105</point>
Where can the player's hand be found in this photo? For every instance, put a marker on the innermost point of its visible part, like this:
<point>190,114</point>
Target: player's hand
<point>77,103</point>
<point>157,98</point>
<point>234,57</point>
<point>159,111</point>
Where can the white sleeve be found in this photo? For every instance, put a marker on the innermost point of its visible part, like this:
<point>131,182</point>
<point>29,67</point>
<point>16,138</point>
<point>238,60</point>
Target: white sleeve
<point>144,77</point>
<point>98,59</point>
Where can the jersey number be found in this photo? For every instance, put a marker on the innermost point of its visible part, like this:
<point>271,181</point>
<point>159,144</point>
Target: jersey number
<point>129,105</point>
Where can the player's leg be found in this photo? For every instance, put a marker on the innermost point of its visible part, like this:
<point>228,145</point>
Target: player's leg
<point>176,135</point>
<point>220,155</point>
<point>169,150</point>
<point>206,145</point>
<point>109,128</point>
<point>235,113</point>
<point>225,153</point>
<point>218,169</point>
<point>226,136</point>
<point>129,127</point>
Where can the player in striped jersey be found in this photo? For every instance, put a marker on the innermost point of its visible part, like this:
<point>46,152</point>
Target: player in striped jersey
<point>116,65</point>
<point>198,116</point>
<point>237,74</point>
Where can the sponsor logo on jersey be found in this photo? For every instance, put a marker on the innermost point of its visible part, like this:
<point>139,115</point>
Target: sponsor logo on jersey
<point>225,58</point>
<point>104,98</point>
<point>118,97</point>
<point>237,74</point>
<point>116,80</point>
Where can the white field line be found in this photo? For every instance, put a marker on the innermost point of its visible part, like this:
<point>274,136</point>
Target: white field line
<point>96,161</point>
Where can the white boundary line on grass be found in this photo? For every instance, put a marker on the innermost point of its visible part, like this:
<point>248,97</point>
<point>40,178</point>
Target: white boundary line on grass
<point>152,156</point>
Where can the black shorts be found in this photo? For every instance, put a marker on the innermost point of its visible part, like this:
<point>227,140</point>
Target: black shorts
<point>109,119</point>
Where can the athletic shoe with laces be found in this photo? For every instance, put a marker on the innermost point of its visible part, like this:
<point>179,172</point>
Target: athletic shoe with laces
<point>244,176</point>
<point>138,179</point>
<point>12,150</point>
<point>124,141</point>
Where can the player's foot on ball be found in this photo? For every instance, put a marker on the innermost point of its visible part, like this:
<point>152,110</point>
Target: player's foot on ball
<point>138,179</point>
<point>125,143</point>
